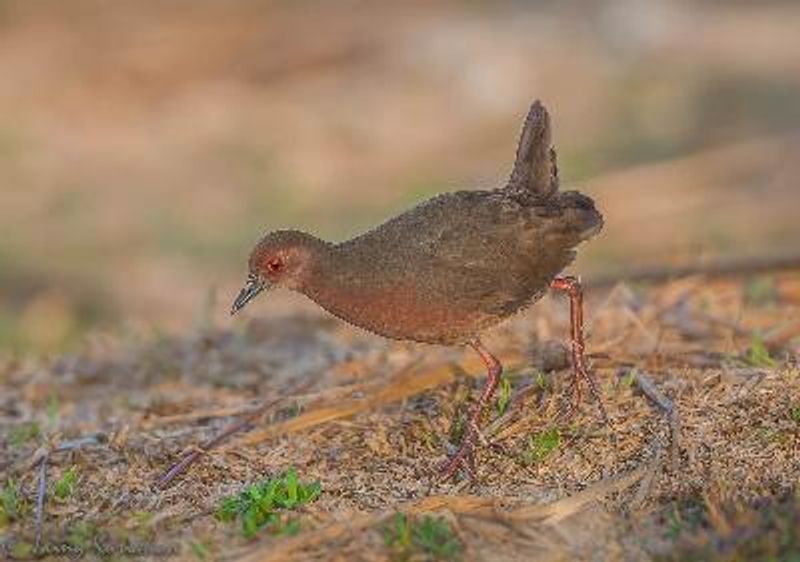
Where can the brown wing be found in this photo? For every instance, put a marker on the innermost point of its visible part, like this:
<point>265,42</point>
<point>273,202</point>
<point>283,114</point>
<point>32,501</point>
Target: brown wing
<point>478,249</point>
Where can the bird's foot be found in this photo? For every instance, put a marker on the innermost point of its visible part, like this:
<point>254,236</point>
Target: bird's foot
<point>581,373</point>
<point>464,458</point>
<point>573,402</point>
<point>568,411</point>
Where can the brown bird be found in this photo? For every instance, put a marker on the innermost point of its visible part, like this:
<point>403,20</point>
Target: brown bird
<point>451,267</point>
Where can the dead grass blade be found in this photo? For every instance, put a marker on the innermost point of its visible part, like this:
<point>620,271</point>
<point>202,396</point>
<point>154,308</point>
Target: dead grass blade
<point>405,384</point>
<point>561,509</point>
<point>40,497</point>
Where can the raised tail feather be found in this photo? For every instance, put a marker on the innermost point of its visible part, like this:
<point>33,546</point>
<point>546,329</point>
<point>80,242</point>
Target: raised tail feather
<point>580,219</point>
<point>535,168</point>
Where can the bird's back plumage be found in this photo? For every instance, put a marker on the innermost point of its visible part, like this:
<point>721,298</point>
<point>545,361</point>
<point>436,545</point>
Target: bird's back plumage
<point>484,253</point>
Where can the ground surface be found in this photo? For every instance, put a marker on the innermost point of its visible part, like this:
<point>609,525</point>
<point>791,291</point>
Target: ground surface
<point>371,421</point>
<point>146,146</point>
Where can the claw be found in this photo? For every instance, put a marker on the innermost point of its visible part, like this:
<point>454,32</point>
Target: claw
<point>465,455</point>
<point>463,458</point>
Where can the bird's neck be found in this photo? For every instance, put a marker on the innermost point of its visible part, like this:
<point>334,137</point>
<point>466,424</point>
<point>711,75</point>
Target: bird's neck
<point>332,281</point>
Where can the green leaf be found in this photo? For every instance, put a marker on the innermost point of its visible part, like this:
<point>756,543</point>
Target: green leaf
<point>255,494</point>
<point>250,523</point>
<point>291,488</point>
<point>427,539</point>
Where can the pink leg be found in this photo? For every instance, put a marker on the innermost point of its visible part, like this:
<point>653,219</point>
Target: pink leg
<point>465,454</point>
<point>572,287</point>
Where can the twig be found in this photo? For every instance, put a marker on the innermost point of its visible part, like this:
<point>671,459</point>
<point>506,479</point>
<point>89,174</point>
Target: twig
<point>41,459</point>
<point>242,425</point>
<point>40,496</point>
<point>650,390</point>
<point>722,268</point>
<point>80,442</point>
<point>648,387</point>
<point>190,458</point>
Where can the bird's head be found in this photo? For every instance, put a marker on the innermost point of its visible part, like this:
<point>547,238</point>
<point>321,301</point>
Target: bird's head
<point>283,258</point>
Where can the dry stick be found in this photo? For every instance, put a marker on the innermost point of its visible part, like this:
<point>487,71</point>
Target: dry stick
<point>650,390</point>
<point>666,405</point>
<point>40,497</point>
<point>42,488</point>
<point>722,268</point>
<point>244,424</point>
<point>80,442</point>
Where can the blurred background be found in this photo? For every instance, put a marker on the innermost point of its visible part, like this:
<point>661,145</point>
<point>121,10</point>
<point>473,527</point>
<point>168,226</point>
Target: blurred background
<point>145,146</point>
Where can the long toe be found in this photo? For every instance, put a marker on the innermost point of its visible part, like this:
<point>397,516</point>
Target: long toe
<point>569,404</point>
<point>463,458</point>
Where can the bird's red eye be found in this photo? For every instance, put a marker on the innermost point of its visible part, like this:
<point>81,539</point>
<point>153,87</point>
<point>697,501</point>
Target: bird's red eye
<point>275,265</point>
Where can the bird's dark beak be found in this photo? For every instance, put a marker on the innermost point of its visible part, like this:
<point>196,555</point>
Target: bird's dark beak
<point>253,286</point>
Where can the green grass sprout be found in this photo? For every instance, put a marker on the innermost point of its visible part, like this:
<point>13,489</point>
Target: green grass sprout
<point>541,445</point>
<point>758,355</point>
<point>65,486</point>
<point>428,538</point>
<point>263,504</point>
<point>542,382</point>
<point>10,502</point>
<point>200,550</point>
<point>504,394</point>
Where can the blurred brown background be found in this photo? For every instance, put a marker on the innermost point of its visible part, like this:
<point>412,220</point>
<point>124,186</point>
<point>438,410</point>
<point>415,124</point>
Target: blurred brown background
<point>145,146</point>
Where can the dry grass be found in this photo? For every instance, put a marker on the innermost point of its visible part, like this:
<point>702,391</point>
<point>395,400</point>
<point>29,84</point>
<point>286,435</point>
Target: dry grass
<point>375,417</point>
